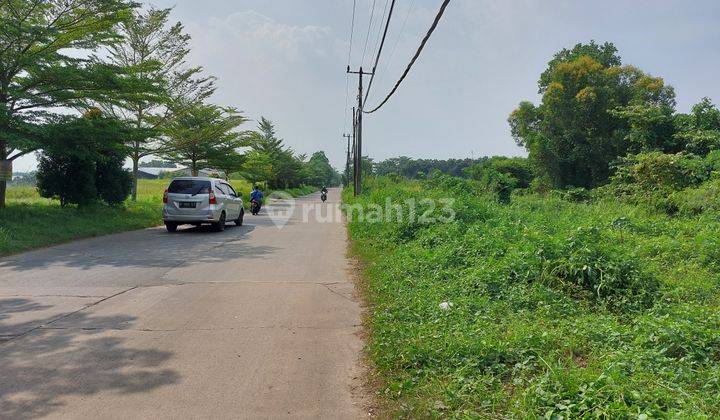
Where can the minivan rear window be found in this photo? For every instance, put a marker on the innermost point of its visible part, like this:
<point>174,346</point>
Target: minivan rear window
<point>189,186</point>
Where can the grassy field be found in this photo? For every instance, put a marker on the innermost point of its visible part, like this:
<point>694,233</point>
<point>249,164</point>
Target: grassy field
<point>543,307</point>
<point>30,221</point>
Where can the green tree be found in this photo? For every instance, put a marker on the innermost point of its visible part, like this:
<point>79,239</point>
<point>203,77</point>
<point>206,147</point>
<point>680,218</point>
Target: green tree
<point>651,128</point>
<point>699,131</point>
<point>319,172</point>
<point>367,166</point>
<point>257,166</point>
<point>154,52</point>
<point>606,54</point>
<point>574,134</point>
<point>227,160</point>
<point>199,131</point>
<point>287,168</point>
<point>82,161</point>
<point>42,65</point>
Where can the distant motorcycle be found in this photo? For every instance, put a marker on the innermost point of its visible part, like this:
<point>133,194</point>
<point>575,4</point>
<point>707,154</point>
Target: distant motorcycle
<point>323,196</point>
<point>254,207</point>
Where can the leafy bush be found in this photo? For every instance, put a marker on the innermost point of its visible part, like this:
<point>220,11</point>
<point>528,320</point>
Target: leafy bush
<point>501,175</point>
<point>577,195</point>
<point>67,178</point>
<point>113,183</point>
<point>585,266</point>
<point>695,201</point>
<point>83,161</point>
<point>657,171</point>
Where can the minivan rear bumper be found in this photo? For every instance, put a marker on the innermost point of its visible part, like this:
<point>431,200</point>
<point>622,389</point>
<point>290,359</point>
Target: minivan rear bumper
<point>210,216</point>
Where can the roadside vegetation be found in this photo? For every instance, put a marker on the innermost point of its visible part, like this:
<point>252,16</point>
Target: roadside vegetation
<point>579,282</point>
<point>557,308</point>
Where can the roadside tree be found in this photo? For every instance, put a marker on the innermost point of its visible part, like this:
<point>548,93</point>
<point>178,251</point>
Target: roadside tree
<point>199,132</point>
<point>154,53</point>
<point>44,65</point>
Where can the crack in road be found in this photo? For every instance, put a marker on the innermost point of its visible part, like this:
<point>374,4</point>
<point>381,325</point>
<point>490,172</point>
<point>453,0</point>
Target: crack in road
<point>41,326</point>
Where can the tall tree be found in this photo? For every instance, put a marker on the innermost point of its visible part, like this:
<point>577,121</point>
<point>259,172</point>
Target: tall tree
<point>228,160</point>
<point>257,166</point>
<point>265,139</point>
<point>44,65</point>
<point>573,135</point>
<point>199,131</point>
<point>286,166</point>
<point>154,51</point>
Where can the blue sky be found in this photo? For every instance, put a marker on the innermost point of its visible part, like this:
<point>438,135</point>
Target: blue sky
<point>285,59</point>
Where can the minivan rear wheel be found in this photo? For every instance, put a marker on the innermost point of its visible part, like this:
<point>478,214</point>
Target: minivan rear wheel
<point>171,227</point>
<point>240,218</point>
<point>220,225</point>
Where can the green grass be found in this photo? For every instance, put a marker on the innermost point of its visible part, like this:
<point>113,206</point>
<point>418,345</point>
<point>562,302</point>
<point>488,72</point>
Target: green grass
<point>559,309</point>
<point>30,221</point>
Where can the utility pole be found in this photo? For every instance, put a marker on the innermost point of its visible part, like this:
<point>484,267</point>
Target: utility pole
<point>357,162</point>
<point>347,161</point>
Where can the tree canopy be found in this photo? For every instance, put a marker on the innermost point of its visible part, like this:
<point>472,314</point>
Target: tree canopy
<point>200,132</point>
<point>154,54</point>
<point>593,110</point>
<point>38,73</point>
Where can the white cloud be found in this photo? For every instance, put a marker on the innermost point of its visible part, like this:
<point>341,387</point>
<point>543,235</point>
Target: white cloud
<point>278,70</point>
<point>261,34</point>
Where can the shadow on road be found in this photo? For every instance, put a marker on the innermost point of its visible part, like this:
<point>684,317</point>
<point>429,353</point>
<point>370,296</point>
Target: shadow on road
<point>150,248</point>
<point>46,365</point>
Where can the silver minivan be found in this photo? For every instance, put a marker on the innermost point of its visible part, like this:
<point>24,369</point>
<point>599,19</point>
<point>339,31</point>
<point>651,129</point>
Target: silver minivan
<point>198,200</point>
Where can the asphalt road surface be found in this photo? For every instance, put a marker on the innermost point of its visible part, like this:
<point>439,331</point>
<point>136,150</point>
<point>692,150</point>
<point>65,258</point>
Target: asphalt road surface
<point>253,322</point>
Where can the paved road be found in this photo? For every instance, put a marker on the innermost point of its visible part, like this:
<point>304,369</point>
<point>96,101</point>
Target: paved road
<point>254,322</point>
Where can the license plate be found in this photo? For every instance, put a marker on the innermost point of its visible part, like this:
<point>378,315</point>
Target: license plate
<point>187,205</point>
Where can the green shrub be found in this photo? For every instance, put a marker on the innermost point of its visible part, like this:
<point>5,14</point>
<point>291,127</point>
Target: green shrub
<point>82,161</point>
<point>588,268</point>
<point>661,171</point>
<point>68,178</point>
<point>113,183</point>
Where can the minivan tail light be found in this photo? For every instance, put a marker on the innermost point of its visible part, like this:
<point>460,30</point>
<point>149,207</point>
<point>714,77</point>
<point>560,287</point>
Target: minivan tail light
<point>213,200</point>
<point>165,197</point>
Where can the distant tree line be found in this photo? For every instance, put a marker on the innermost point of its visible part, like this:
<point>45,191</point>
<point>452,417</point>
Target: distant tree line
<point>421,168</point>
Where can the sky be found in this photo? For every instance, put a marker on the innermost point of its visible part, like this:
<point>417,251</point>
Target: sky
<point>286,60</point>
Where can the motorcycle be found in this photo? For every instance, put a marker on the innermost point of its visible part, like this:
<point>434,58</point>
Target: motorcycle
<point>323,196</point>
<point>254,207</point>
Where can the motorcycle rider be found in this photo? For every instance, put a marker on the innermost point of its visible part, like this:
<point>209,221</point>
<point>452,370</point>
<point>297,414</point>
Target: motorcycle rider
<point>257,196</point>
<point>323,193</point>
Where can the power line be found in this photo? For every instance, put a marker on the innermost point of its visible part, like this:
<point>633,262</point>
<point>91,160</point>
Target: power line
<point>397,41</point>
<point>347,76</point>
<point>367,37</point>
<point>415,57</point>
<point>380,26</point>
<point>382,43</point>
<point>352,31</point>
